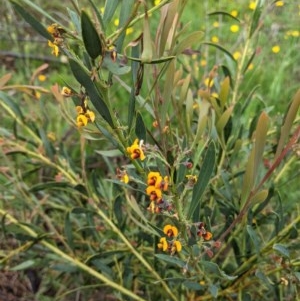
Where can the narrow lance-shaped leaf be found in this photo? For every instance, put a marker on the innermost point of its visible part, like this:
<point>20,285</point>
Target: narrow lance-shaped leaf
<point>224,50</point>
<point>140,128</point>
<point>288,122</point>
<point>205,173</point>
<point>147,53</point>
<point>32,21</point>
<point>109,10</point>
<point>260,140</point>
<point>248,180</point>
<point>224,91</point>
<point>213,268</point>
<point>249,62</point>
<point>224,119</point>
<point>126,10</point>
<point>68,231</point>
<point>282,249</point>
<point>253,237</point>
<point>90,36</point>
<point>97,14</point>
<point>4,79</point>
<point>223,13</point>
<point>255,18</point>
<point>187,42</point>
<point>84,79</point>
<point>137,73</point>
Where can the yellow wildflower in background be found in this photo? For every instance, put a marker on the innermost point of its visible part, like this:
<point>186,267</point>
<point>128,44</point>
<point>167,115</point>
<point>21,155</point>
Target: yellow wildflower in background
<point>156,2</point>
<point>252,5</point>
<point>203,63</point>
<point>250,67</point>
<point>216,24</point>
<point>234,13</point>
<point>279,3</point>
<point>42,77</point>
<point>116,22</point>
<point>236,55</point>
<point>215,39</point>
<point>275,49</point>
<point>129,30</point>
<point>234,28</point>
<point>293,33</point>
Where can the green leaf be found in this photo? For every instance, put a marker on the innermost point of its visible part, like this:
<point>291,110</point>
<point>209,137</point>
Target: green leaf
<point>222,49</point>
<point>195,286</point>
<point>4,79</point>
<point>250,61</point>
<point>264,279</point>
<point>259,197</point>
<point>288,122</point>
<point>80,210</point>
<point>109,10</point>
<point>248,180</point>
<point>214,290</point>
<point>109,153</point>
<point>32,21</point>
<point>68,231</point>
<point>50,185</point>
<point>213,268</point>
<point>224,13</point>
<point>224,119</point>
<point>153,61</point>
<point>23,266</point>
<point>147,53</point>
<point>260,140</point>
<point>140,128</point>
<point>84,79</point>
<point>114,66</point>
<point>40,10</point>
<point>16,112</point>
<point>90,36</point>
<point>224,91</point>
<point>171,259</point>
<point>131,108</point>
<point>65,267</point>
<point>125,14</point>
<point>188,41</point>
<point>205,173</point>
<point>253,237</point>
<point>49,149</point>
<point>283,250</point>
<point>255,18</point>
<point>97,13</point>
<point>297,274</point>
<point>103,267</point>
<point>75,20</point>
